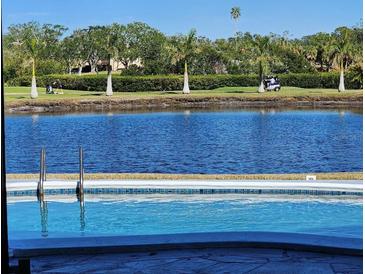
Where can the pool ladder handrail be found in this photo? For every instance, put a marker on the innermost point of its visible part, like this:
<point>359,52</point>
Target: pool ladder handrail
<point>42,174</point>
<point>80,183</point>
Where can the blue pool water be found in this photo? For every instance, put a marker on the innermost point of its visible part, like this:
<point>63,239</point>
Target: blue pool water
<point>244,141</point>
<point>164,214</point>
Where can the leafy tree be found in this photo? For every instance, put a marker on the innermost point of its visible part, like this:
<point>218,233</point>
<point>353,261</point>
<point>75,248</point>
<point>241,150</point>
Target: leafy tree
<point>318,48</point>
<point>94,41</point>
<point>147,46</point>
<point>208,59</point>
<point>69,53</point>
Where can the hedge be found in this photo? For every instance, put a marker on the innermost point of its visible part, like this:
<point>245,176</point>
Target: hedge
<point>174,82</point>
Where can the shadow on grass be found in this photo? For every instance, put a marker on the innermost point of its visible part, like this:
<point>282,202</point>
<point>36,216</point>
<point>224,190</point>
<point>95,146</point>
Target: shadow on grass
<point>169,92</point>
<point>92,94</point>
<point>242,92</point>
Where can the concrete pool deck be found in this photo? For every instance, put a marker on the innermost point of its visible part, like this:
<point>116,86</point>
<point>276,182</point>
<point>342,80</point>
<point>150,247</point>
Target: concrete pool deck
<point>226,252</point>
<point>203,261</point>
<point>318,185</point>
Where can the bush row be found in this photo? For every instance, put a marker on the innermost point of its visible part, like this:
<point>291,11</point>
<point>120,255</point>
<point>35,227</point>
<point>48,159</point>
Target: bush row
<point>173,82</point>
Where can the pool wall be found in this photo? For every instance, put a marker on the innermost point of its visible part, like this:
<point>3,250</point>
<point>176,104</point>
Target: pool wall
<point>94,245</point>
<point>328,187</point>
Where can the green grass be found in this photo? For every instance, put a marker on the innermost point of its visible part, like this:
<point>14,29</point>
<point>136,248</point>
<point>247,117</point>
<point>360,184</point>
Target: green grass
<point>23,93</point>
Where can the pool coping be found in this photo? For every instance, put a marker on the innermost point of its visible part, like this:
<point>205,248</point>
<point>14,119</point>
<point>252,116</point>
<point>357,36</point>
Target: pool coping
<point>318,187</point>
<point>142,243</point>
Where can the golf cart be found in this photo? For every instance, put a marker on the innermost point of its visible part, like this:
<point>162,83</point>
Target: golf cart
<point>272,83</point>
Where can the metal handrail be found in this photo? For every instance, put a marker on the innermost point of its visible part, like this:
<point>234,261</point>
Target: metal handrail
<point>80,183</point>
<point>42,174</point>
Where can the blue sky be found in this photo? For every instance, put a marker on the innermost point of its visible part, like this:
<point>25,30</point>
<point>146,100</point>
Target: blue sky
<point>211,18</point>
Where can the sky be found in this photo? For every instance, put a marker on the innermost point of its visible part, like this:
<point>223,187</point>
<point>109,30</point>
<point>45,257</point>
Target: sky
<point>211,18</point>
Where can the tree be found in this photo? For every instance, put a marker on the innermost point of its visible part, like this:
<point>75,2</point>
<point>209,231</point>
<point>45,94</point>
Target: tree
<point>109,49</point>
<point>75,50</point>
<point>263,49</point>
<point>235,16</point>
<point>182,48</point>
<point>317,49</point>
<point>90,41</point>
<point>69,53</point>
<point>35,41</point>
<point>342,52</point>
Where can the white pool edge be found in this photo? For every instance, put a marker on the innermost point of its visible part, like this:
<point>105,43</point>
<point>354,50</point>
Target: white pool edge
<point>325,185</point>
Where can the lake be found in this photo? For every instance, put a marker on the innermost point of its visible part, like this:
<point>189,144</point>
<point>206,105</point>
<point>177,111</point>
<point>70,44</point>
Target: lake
<point>207,142</point>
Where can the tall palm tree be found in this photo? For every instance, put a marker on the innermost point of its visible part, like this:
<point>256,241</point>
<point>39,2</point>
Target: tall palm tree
<point>111,44</point>
<point>32,45</point>
<point>188,50</point>
<point>342,50</point>
<point>235,16</point>
<point>108,44</point>
<point>35,42</point>
<point>181,49</point>
<point>262,46</point>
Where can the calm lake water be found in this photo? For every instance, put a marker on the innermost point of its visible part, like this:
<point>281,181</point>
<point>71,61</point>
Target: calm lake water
<point>239,141</point>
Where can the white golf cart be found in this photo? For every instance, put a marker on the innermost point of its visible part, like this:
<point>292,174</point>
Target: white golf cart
<point>272,83</point>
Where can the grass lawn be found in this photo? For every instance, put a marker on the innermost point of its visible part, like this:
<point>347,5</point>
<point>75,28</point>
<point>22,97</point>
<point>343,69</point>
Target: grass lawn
<point>23,93</point>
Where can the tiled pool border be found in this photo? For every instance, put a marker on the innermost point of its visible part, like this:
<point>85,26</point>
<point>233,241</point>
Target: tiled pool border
<point>186,191</point>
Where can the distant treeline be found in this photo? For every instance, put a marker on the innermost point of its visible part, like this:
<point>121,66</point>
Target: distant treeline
<point>175,82</point>
<point>143,50</point>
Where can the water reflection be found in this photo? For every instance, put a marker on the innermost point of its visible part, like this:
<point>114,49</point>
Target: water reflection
<point>35,118</point>
<point>357,110</point>
<point>43,207</point>
<point>81,201</point>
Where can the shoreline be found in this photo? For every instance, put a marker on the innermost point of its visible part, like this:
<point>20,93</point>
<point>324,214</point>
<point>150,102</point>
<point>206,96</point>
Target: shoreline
<point>165,176</point>
<point>178,102</point>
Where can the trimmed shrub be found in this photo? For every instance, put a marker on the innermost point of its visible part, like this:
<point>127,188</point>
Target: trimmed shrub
<point>175,82</point>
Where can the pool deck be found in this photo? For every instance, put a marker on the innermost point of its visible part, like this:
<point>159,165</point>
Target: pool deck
<point>202,261</point>
<point>324,185</point>
<point>228,252</point>
<point>213,260</point>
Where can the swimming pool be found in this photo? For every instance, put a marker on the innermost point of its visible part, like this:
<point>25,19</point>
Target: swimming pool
<point>167,214</point>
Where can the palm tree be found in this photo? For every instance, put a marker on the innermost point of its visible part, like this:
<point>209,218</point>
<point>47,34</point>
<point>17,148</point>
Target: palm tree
<point>111,43</point>
<point>262,46</point>
<point>181,49</point>
<point>31,45</point>
<point>35,42</point>
<point>108,43</point>
<point>342,50</point>
<point>235,16</point>
<point>33,52</point>
<point>188,50</point>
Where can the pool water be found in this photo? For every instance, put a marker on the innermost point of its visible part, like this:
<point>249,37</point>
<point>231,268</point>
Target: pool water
<point>165,214</point>
<point>229,142</point>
